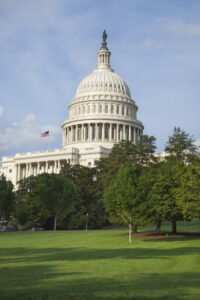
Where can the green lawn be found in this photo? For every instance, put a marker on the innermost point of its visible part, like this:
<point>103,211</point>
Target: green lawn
<point>98,265</point>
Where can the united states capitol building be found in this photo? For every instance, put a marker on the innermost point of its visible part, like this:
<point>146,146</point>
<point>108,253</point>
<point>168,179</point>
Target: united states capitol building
<point>101,114</point>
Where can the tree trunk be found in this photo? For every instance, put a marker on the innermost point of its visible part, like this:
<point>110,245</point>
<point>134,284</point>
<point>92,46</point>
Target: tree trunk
<point>54,226</point>
<point>129,233</point>
<point>174,226</point>
<point>158,226</point>
<point>134,228</point>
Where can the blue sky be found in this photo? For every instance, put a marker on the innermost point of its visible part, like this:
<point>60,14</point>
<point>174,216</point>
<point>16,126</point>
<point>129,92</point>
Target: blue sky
<point>48,46</point>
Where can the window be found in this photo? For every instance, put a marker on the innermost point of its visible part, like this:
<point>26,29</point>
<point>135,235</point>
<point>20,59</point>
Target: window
<point>106,108</point>
<point>10,170</point>
<point>117,109</point>
<point>122,109</point>
<point>88,109</point>
<point>100,108</point>
<point>112,108</point>
<point>83,109</point>
<point>127,111</point>
<point>89,163</point>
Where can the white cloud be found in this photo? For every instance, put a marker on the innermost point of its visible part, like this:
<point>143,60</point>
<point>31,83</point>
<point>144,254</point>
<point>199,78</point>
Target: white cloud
<point>1,111</point>
<point>179,27</point>
<point>26,135</point>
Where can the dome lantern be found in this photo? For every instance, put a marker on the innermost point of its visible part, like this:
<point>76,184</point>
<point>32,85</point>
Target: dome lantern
<point>104,54</point>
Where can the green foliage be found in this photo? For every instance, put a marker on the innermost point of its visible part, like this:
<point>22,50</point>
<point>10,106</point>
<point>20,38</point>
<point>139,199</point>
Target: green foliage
<point>121,196</point>
<point>188,191</point>
<point>7,199</point>
<point>42,197</point>
<point>125,152</point>
<point>180,144</point>
<point>88,198</point>
<point>55,193</point>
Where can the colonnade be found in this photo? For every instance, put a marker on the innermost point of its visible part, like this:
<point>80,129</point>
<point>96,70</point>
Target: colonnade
<point>24,170</point>
<point>113,132</point>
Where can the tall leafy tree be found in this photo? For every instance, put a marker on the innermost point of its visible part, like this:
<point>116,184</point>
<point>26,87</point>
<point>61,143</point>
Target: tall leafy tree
<point>27,208</point>
<point>151,196</point>
<point>7,199</point>
<point>188,191</point>
<point>54,192</point>
<point>181,151</point>
<point>140,155</point>
<point>88,200</point>
<point>121,195</point>
<point>180,145</point>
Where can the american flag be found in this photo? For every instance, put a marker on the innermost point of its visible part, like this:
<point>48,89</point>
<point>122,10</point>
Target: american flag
<point>44,134</point>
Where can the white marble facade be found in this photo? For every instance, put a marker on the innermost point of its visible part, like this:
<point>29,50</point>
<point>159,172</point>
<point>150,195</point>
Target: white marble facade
<point>101,114</point>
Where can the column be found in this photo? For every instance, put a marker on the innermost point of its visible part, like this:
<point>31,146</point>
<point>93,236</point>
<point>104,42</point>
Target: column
<point>81,133</point>
<point>27,170</point>
<point>30,170</point>
<point>91,128</point>
<point>54,167</point>
<point>117,132</point>
<point>59,166</point>
<point>103,131</point>
<point>110,132</point>
<point>96,137</point>
<point>38,168</point>
<point>16,171</point>
<point>134,130</point>
<point>124,132</point>
<point>89,132</point>
<point>76,133</point>
<point>129,130</point>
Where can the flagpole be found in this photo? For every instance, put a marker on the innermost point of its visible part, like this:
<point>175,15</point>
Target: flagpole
<point>45,134</point>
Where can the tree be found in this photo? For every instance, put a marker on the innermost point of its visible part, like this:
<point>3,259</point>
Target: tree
<point>151,197</point>
<point>7,199</point>
<point>121,196</point>
<point>54,192</point>
<point>27,208</point>
<point>188,191</point>
<point>181,152</point>
<point>180,145</point>
<point>88,199</point>
<point>165,187</point>
<point>140,155</point>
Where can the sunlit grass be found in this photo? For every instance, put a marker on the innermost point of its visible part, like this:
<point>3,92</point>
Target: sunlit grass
<point>99,265</point>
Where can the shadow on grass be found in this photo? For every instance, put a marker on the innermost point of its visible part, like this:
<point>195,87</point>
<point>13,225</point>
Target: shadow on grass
<point>42,282</point>
<point>28,255</point>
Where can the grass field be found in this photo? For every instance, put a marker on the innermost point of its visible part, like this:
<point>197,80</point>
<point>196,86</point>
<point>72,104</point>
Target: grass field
<point>99,265</point>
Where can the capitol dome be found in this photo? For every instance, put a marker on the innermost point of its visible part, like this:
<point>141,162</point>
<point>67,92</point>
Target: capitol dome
<point>102,112</point>
<point>103,81</point>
